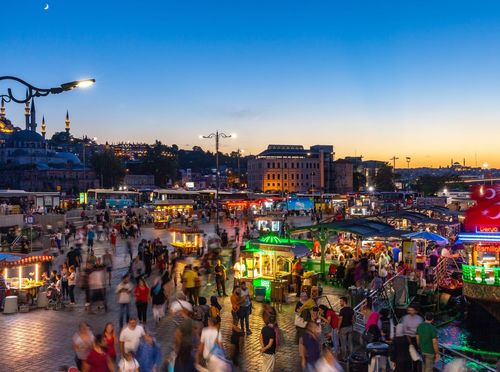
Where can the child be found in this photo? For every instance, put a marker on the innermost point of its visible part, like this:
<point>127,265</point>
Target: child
<point>128,363</point>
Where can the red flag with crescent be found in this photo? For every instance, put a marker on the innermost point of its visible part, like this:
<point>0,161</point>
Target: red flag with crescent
<point>487,210</point>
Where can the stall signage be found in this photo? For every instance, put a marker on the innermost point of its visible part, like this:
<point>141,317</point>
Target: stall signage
<point>488,229</point>
<point>488,248</point>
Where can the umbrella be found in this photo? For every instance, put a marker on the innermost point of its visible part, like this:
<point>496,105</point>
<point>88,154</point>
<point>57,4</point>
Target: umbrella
<point>426,235</point>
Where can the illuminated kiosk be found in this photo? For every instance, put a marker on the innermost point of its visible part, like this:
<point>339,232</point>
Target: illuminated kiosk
<point>481,240</point>
<point>22,274</point>
<point>166,210</point>
<point>188,239</point>
<point>267,265</point>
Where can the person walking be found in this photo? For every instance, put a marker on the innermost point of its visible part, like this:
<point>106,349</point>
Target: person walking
<point>107,261</point>
<point>309,347</point>
<point>124,293</point>
<point>82,343</point>
<point>138,268</point>
<point>245,308</point>
<point>400,354</point>
<point>268,345</point>
<point>109,336</point>
<point>141,293</point>
<point>97,359</point>
<point>90,240</point>
<point>427,341</point>
<point>345,328</point>
<point>112,240</point>
<point>72,284</point>
<point>189,282</point>
<point>210,340</point>
<point>410,322</point>
<point>158,300</point>
<point>130,336</point>
<point>148,354</point>
<point>220,278</point>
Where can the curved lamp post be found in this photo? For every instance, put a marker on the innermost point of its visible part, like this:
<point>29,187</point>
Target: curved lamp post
<point>33,91</point>
<point>217,136</point>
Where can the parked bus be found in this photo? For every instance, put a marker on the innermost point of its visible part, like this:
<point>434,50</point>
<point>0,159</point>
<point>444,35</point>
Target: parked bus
<point>113,198</point>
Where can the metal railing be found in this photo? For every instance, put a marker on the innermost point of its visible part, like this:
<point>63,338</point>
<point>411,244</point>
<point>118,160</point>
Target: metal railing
<point>379,298</point>
<point>476,365</point>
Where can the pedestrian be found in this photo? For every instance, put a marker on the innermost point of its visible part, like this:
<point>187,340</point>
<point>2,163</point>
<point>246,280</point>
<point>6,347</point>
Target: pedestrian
<point>130,336</point>
<point>245,308</point>
<point>82,343</point>
<point>215,308</point>
<point>97,359</point>
<point>297,272</point>
<point>185,333</point>
<point>124,293</point>
<point>90,240</point>
<point>157,300</point>
<point>236,338</point>
<point>128,363</point>
<point>410,322</point>
<point>197,284</point>
<point>189,283</point>
<point>309,347</point>
<point>110,339</point>
<point>236,301</point>
<point>427,340</point>
<point>97,287</point>
<point>72,258</point>
<point>112,240</point>
<point>138,268</point>
<point>209,341</point>
<point>141,293</point>
<point>148,354</point>
<point>345,328</point>
<point>268,345</point>
<point>400,354</point>
<point>64,281</point>
<point>220,278</point>
<point>107,260</point>
<point>72,284</point>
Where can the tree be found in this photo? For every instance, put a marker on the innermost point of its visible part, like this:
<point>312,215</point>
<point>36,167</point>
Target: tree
<point>160,161</point>
<point>384,180</point>
<point>359,181</point>
<point>108,168</point>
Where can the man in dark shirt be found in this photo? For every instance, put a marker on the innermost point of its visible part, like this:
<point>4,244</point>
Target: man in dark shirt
<point>72,258</point>
<point>346,318</point>
<point>220,278</point>
<point>268,345</point>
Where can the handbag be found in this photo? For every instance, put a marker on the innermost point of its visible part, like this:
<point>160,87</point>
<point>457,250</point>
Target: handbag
<point>299,321</point>
<point>414,354</point>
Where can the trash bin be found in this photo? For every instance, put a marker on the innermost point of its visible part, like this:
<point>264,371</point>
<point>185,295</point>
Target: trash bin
<point>260,293</point>
<point>357,362</point>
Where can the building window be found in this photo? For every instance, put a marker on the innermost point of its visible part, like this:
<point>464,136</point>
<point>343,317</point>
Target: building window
<point>292,164</point>
<point>273,185</point>
<point>285,176</point>
<point>273,165</point>
<point>285,165</point>
<point>293,176</point>
<point>278,176</point>
<point>302,176</point>
<point>286,184</point>
<point>278,164</point>
<point>273,176</point>
<point>307,176</point>
<point>293,184</point>
<point>268,184</point>
<point>268,176</point>
<point>268,165</point>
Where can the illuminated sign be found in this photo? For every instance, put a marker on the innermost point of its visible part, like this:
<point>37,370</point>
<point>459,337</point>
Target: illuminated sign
<point>487,229</point>
<point>488,248</point>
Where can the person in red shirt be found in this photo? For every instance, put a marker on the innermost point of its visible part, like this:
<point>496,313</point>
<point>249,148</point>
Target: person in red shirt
<point>98,360</point>
<point>113,240</point>
<point>109,336</point>
<point>141,293</point>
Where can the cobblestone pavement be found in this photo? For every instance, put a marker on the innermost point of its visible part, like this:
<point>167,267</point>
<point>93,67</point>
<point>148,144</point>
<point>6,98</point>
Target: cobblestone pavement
<point>41,339</point>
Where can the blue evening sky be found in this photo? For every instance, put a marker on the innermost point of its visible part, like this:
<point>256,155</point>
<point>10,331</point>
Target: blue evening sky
<point>377,78</point>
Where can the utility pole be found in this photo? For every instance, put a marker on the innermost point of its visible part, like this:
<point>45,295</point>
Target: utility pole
<point>394,158</point>
<point>408,159</point>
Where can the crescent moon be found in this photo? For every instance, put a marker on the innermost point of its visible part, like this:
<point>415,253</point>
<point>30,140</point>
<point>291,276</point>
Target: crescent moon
<point>495,217</point>
<point>46,7</point>
<point>493,193</point>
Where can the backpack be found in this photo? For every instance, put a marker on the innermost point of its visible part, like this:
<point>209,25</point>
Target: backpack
<point>214,313</point>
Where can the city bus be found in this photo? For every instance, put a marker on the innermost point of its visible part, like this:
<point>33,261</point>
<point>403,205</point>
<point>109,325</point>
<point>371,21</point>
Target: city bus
<point>174,194</point>
<point>113,198</point>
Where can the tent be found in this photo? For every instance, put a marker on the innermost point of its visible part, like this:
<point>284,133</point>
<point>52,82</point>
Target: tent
<point>427,235</point>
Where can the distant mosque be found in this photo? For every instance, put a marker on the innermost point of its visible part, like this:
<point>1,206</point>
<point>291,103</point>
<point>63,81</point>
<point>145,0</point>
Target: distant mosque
<point>23,147</point>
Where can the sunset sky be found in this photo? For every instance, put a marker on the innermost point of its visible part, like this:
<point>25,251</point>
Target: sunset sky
<point>373,78</point>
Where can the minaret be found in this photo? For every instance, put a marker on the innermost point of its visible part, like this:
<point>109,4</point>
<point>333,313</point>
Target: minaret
<point>2,110</point>
<point>27,112</point>
<point>43,127</point>
<point>33,116</point>
<point>67,122</point>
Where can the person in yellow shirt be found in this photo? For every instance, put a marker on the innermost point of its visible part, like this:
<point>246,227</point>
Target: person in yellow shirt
<point>189,279</point>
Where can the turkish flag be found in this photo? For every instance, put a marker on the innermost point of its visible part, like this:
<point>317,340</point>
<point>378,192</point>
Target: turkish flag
<point>487,210</point>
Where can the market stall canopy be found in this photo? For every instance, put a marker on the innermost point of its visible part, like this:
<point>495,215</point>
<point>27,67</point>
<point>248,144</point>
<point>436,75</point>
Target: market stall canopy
<point>413,217</point>
<point>427,235</point>
<point>13,260</point>
<point>362,227</point>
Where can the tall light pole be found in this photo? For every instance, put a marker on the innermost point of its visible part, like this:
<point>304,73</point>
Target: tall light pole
<point>394,158</point>
<point>32,91</point>
<point>217,137</point>
<point>240,151</point>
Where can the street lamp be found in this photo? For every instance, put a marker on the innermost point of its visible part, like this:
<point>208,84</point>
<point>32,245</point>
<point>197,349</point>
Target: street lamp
<point>33,91</point>
<point>217,137</point>
<point>240,151</point>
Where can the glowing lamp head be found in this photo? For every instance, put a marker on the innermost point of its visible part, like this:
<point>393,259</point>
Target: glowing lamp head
<point>78,84</point>
<point>234,135</point>
<point>371,188</point>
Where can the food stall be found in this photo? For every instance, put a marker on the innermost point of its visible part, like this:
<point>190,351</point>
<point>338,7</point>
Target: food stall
<point>166,210</point>
<point>266,264</point>
<point>22,274</point>
<point>187,239</point>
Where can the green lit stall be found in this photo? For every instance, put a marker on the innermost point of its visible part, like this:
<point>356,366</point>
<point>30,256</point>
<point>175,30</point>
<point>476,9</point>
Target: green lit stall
<point>267,265</point>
